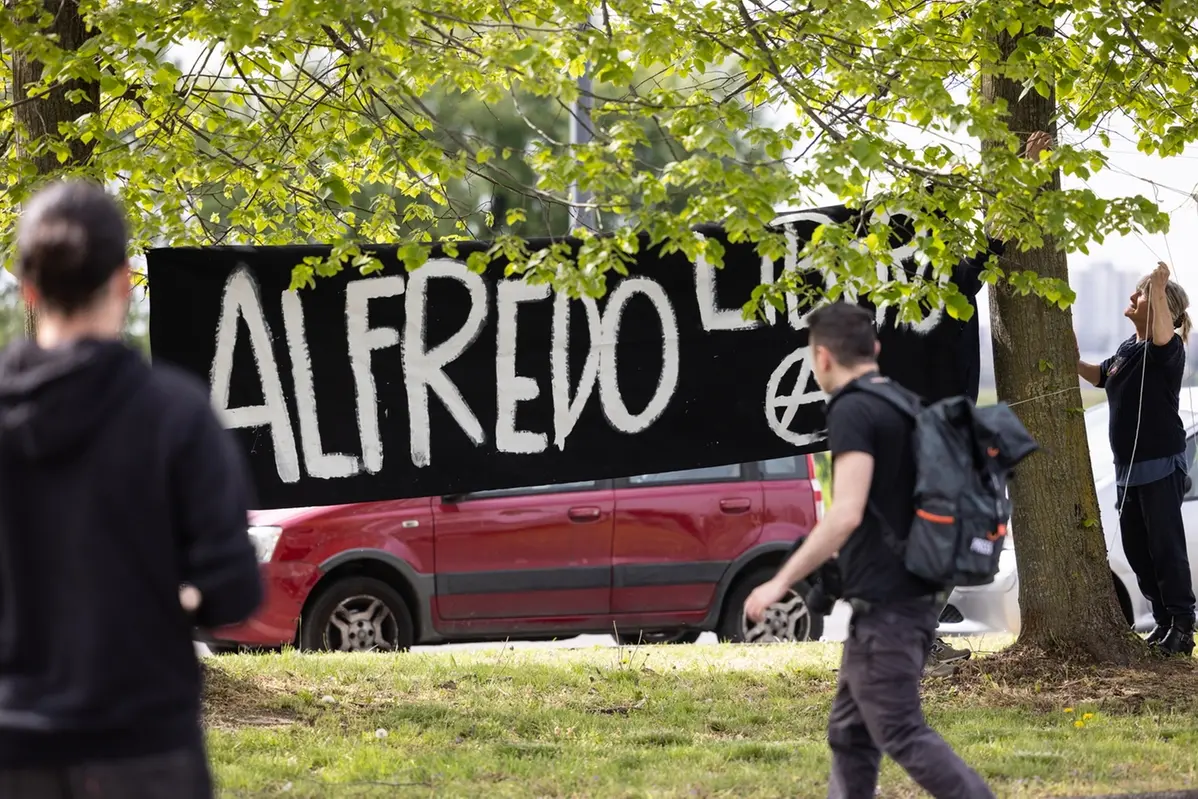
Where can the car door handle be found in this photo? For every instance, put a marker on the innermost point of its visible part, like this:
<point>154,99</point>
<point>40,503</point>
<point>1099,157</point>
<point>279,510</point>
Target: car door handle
<point>583,515</point>
<point>735,505</point>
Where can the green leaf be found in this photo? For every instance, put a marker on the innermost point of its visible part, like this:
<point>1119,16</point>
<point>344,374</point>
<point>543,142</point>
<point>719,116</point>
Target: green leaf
<point>959,307</point>
<point>112,86</point>
<point>412,256</point>
<point>360,136</point>
<point>333,186</point>
<point>478,262</point>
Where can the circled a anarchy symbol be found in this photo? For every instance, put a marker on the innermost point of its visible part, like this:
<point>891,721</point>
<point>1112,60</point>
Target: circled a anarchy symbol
<point>781,409</point>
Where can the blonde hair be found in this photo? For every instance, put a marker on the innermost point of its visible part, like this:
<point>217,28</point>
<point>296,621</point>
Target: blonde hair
<point>1179,304</point>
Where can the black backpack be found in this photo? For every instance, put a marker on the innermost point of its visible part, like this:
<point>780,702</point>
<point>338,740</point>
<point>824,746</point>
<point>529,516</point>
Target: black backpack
<point>963,461</point>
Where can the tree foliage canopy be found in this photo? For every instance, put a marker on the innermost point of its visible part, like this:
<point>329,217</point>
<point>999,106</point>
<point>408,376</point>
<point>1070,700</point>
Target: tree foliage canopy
<point>352,121</point>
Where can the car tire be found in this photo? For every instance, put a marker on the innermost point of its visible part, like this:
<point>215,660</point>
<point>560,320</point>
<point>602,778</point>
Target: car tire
<point>357,614</point>
<point>1124,598</point>
<point>808,626</point>
<point>644,638</point>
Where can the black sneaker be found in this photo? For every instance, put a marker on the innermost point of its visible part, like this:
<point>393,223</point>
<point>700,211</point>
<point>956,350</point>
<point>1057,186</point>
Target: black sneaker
<point>1158,633</point>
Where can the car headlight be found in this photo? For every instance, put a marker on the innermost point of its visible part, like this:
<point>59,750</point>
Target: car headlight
<point>265,539</point>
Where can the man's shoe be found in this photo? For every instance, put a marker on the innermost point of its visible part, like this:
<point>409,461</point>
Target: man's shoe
<point>944,653</point>
<point>939,668</point>
<point>1158,633</point>
<point>1180,639</point>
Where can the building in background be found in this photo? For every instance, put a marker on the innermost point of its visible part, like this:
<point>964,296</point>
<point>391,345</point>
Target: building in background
<point>1103,293</point>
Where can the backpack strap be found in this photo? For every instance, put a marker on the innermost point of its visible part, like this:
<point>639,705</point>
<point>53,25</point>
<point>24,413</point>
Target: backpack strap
<point>910,406</point>
<point>884,388</point>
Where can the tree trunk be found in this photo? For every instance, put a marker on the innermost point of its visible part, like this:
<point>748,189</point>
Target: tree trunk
<point>1066,592</point>
<point>41,116</point>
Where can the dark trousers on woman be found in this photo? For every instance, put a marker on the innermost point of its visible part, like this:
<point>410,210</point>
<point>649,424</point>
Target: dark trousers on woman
<point>182,774</point>
<point>1154,540</point>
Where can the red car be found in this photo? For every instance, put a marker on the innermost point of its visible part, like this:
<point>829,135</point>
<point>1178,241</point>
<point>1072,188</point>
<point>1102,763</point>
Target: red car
<point>659,558</point>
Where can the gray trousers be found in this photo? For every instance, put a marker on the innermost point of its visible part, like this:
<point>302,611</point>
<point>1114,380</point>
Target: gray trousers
<point>877,709</point>
<point>175,775</point>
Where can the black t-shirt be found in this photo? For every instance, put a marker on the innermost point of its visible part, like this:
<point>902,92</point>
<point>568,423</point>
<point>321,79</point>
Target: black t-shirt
<point>870,569</point>
<point>1161,430</point>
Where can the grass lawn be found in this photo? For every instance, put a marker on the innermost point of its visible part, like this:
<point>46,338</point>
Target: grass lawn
<point>672,721</point>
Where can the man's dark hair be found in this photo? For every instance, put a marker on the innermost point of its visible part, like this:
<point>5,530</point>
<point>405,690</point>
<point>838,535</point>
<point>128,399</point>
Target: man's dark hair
<point>846,330</point>
<point>71,239</point>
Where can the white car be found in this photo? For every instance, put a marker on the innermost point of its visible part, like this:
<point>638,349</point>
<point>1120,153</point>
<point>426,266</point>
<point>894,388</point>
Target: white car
<point>994,608</point>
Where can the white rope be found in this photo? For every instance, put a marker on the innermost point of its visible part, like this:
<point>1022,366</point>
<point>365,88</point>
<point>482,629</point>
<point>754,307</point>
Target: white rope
<point>1040,397</point>
<point>1135,442</point>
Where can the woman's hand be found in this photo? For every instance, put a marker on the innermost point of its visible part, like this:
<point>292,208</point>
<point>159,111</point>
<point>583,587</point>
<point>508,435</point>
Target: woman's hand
<point>1159,316</point>
<point>1037,143</point>
<point>1159,278</point>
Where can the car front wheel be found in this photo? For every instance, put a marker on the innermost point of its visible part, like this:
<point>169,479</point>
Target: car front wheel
<point>787,620</point>
<point>358,614</point>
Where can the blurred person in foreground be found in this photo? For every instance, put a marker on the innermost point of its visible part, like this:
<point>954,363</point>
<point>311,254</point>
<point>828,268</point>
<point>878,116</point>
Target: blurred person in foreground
<point>123,526</point>
<point>877,709</point>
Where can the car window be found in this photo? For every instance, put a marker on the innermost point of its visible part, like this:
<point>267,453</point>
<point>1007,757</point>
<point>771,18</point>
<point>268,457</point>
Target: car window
<point>556,488</point>
<point>792,467</point>
<point>710,474</point>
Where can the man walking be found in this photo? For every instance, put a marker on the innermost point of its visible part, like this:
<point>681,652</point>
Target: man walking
<point>877,708</point>
<point>117,487</point>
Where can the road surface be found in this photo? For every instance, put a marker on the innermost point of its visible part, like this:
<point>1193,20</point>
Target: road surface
<point>835,629</point>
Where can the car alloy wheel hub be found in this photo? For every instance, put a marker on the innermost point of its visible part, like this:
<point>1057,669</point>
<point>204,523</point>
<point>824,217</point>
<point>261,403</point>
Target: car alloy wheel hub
<point>785,620</point>
<point>362,624</point>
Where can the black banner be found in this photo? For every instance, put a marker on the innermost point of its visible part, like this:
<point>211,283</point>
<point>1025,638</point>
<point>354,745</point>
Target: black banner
<point>445,381</point>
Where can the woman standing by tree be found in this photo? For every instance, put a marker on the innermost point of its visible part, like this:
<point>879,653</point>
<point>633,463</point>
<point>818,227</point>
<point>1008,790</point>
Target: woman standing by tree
<point>1143,385</point>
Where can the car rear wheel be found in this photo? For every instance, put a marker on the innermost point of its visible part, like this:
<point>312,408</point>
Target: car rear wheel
<point>1124,601</point>
<point>358,614</point>
<point>787,620</point>
<point>644,638</point>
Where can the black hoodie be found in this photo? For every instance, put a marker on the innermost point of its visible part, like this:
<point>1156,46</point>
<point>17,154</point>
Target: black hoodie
<point>117,484</point>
